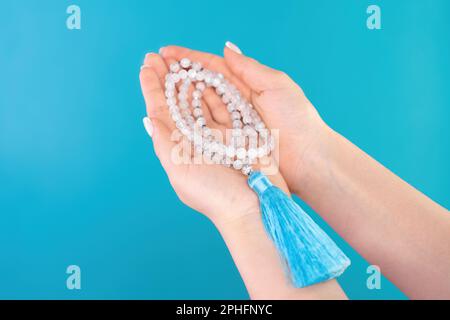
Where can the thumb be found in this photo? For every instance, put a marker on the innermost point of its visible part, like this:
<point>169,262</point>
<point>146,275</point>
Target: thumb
<point>254,74</point>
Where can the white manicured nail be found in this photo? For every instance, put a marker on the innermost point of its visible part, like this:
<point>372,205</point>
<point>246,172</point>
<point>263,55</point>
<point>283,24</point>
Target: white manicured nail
<point>145,58</point>
<point>233,47</point>
<point>148,126</point>
<point>144,66</point>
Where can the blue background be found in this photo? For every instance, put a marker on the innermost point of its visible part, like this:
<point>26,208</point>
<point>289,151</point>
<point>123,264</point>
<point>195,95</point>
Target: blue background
<point>79,182</point>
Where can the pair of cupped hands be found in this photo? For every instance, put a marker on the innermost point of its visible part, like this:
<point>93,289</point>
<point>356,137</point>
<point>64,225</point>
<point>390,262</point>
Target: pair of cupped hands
<point>222,193</point>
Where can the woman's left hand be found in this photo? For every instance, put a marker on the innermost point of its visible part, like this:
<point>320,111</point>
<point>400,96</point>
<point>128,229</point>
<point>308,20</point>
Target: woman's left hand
<point>221,193</point>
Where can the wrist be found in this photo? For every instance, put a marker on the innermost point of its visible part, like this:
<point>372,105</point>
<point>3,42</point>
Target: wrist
<point>237,220</point>
<point>314,159</point>
<point>245,213</point>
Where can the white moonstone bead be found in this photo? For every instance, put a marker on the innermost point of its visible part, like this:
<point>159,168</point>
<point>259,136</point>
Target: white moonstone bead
<point>260,126</point>
<point>206,132</point>
<point>200,76</point>
<point>206,145</point>
<point>237,164</point>
<point>208,78</point>
<point>180,124</point>
<point>228,161</point>
<point>200,86</point>
<point>241,153</point>
<point>191,121</point>
<point>241,106</point>
<point>216,81</point>
<point>231,107</point>
<point>176,116</point>
<point>182,95</point>
<point>175,67</point>
<point>185,63</point>
<point>246,169</point>
<point>197,66</point>
<point>171,101</point>
<point>221,149</point>
<point>184,105</point>
<point>238,141</point>
<point>201,121</point>
<point>220,89</point>
<point>173,109</point>
<point>262,152</point>
<point>186,83</point>
<point>183,74</point>
<point>197,94</point>
<point>217,158</point>
<point>197,112</point>
<point>252,153</point>
<point>185,131</point>
<point>247,119</point>
<point>230,151</point>
<point>236,132</point>
<point>249,131</point>
<point>225,98</point>
<point>214,146</point>
<point>235,115</point>
<point>169,85</point>
<point>175,77</point>
<point>192,74</point>
<point>255,115</point>
<point>237,124</point>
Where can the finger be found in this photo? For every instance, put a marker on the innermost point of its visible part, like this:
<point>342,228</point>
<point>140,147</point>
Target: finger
<point>208,61</point>
<point>216,107</point>
<point>158,64</point>
<point>163,145</point>
<point>254,74</point>
<point>155,99</point>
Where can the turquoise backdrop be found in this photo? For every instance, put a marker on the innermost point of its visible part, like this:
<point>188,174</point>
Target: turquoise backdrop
<point>80,184</point>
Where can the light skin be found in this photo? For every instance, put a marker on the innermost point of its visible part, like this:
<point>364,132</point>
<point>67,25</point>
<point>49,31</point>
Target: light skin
<point>386,220</point>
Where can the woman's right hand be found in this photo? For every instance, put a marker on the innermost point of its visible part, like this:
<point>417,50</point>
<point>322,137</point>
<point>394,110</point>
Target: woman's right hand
<point>360,199</point>
<point>278,99</point>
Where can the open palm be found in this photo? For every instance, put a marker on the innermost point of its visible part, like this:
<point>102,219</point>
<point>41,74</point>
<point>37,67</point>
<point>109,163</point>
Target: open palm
<point>219,192</point>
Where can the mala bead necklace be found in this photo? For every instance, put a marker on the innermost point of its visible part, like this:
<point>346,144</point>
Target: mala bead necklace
<point>309,254</point>
<point>247,124</point>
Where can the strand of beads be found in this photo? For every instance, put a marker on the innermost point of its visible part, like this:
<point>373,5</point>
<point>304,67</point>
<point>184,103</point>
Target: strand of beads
<point>249,137</point>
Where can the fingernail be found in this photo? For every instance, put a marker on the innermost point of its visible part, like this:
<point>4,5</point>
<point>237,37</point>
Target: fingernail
<point>148,126</point>
<point>233,47</point>
<point>147,55</point>
<point>161,50</point>
<point>144,66</point>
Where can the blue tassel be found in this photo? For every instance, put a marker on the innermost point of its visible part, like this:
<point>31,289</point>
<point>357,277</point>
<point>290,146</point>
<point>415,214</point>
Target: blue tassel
<point>309,254</point>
